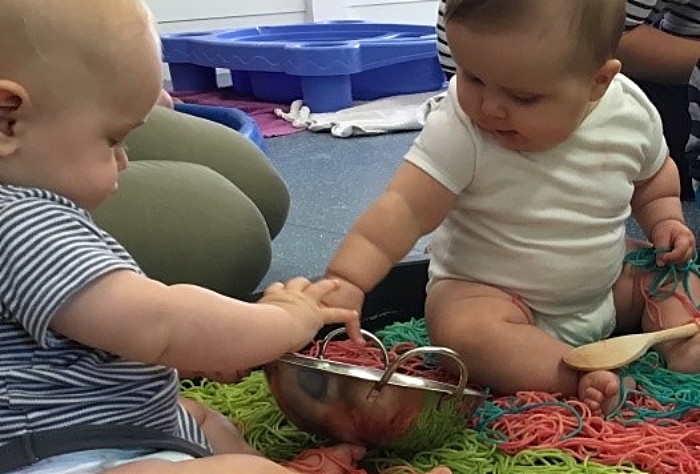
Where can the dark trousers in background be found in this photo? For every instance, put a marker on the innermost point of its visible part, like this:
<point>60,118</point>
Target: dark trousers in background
<point>672,104</point>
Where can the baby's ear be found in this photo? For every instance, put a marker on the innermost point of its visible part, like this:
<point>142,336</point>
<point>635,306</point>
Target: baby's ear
<point>603,77</point>
<point>13,98</point>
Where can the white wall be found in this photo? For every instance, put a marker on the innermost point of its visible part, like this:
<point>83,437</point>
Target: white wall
<point>197,15</point>
<point>189,15</point>
<point>422,12</point>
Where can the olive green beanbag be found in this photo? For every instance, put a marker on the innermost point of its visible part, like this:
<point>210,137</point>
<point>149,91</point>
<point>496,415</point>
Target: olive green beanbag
<point>185,223</point>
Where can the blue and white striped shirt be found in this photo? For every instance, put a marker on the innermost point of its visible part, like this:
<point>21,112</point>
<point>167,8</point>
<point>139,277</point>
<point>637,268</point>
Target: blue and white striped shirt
<point>49,250</point>
<point>678,17</point>
<point>692,149</point>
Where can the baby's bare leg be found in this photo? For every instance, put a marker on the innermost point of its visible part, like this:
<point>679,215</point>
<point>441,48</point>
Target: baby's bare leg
<point>504,351</point>
<point>500,346</point>
<point>223,435</point>
<point>222,464</point>
<point>681,355</point>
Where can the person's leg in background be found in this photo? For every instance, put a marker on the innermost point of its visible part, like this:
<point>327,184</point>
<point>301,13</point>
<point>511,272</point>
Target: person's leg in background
<point>174,136</point>
<point>198,204</point>
<point>692,149</point>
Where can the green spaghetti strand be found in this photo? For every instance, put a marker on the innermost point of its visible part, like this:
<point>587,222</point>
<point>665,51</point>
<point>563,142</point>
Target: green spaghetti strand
<point>482,444</point>
<point>414,330</point>
<point>462,453</point>
<point>250,404</point>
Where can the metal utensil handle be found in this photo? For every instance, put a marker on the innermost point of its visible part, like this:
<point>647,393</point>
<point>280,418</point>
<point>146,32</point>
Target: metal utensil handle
<point>366,334</point>
<point>461,385</point>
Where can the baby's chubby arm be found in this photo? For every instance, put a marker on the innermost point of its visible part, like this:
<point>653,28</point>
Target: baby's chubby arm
<point>192,328</point>
<point>413,205</point>
<point>657,207</point>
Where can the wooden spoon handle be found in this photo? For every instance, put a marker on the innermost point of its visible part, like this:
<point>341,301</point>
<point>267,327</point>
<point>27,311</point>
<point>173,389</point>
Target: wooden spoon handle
<point>678,332</point>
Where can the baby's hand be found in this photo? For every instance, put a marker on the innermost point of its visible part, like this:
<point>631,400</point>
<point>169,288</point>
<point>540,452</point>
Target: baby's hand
<point>347,295</point>
<point>302,299</point>
<point>676,236</point>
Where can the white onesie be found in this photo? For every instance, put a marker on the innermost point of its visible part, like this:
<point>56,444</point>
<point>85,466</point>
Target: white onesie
<point>548,226</point>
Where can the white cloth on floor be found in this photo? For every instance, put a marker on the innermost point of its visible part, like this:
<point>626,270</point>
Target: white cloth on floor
<point>389,114</point>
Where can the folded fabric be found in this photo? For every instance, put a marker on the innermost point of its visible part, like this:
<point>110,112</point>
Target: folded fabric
<point>389,114</point>
<point>263,113</point>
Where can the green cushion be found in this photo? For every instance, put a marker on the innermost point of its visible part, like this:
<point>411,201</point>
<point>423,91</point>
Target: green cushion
<point>185,223</point>
<point>173,136</point>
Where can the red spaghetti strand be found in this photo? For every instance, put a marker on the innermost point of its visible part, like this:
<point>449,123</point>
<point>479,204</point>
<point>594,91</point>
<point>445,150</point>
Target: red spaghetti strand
<point>536,420</point>
<point>322,461</point>
<point>659,446</point>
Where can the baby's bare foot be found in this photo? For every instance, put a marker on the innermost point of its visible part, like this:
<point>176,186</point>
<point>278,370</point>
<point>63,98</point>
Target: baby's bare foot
<point>600,390</point>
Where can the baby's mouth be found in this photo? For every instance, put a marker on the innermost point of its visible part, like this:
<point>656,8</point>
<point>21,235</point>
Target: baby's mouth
<point>498,133</point>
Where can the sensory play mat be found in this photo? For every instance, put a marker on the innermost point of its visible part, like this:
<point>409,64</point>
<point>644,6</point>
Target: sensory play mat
<point>656,429</point>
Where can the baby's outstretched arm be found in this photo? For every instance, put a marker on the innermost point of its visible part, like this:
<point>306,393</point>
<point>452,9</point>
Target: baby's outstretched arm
<point>413,205</point>
<point>657,208</point>
<point>192,328</point>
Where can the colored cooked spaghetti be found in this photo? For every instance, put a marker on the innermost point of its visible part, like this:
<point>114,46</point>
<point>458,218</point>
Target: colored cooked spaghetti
<point>655,430</point>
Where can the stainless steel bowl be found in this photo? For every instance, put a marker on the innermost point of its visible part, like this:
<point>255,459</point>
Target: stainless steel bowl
<point>370,406</point>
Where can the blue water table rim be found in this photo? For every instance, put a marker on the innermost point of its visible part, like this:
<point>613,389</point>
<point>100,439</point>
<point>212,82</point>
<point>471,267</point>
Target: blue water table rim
<point>312,49</point>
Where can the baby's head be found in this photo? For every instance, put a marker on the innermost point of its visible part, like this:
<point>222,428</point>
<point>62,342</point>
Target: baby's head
<point>75,77</point>
<point>590,28</point>
<point>530,70</point>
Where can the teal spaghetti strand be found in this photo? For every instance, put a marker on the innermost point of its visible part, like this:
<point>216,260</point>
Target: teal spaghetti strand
<point>489,413</point>
<point>483,445</point>
<point>413,330</point>
<point>676,392</point>
<point>665,279</point>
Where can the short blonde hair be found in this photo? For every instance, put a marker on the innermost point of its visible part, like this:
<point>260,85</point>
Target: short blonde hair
<point>595,26</point>
<point>35,29</point>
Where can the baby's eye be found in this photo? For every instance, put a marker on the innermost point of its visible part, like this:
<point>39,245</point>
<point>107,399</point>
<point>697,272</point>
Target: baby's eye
<point>473,79</point>
<point>469,77</point>
<point>527,99</point>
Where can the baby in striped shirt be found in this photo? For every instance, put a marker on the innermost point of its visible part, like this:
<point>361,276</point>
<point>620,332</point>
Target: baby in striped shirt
<point>87,340</point>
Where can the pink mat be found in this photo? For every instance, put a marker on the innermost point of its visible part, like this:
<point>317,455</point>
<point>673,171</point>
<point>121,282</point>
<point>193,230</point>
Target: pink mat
<point>262,112</point>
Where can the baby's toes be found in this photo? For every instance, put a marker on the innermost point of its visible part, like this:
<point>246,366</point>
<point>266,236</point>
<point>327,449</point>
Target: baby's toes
<point>593,399</point>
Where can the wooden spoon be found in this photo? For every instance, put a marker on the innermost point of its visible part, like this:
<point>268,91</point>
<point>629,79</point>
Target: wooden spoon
<point>619,351</point>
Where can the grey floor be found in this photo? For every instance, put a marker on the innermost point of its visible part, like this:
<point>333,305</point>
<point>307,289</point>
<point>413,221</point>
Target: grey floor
<point>331,181</point>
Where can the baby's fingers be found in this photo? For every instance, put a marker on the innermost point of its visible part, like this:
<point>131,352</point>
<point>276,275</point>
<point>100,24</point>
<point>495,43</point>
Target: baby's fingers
<point>679,255</point>
<point>299,284</point>
<point>352,329</point>
<point>349,317</point>
<point>681,251</point>
<point>319,289</point>
<point>273,288</point>
<point>440,470</point>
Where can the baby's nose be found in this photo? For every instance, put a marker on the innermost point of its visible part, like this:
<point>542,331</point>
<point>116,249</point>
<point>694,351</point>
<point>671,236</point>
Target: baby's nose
<point>492,106</point>
<point>122,158</point>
